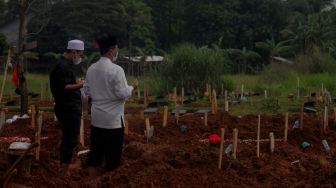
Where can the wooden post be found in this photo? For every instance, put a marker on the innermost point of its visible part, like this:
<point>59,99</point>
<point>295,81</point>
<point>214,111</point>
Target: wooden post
<point>301,117</point>
<point>271,141</point>
<point>126,127</point>
<point>265,93</point>
<point>221,148</point>
<point>286,127</point>
<point>5,73</point>
<point>214,105</point>
<point>235,143</point>
<point>258,137</point>
<point>81,131</point>
<point>147,125</point>
<point>33,114</point>
<point>139,93</point>
<point>38,136</point>
<point>46,91</point>
<point>225,95</point>
<point>165,116</point>
<point>325,119</point>
<point>205,118</point>
<point>226,106</point>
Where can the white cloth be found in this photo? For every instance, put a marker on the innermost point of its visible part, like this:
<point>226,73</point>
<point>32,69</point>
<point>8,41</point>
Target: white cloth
<point>106,84</point>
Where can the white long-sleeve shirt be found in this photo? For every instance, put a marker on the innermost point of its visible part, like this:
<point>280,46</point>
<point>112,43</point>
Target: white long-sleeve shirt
<point>106,84</point>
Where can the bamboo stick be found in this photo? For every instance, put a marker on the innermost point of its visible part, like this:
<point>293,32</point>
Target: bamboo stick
<point>271,141</point>
<point>81,131</point>
<point>165,116</point>
<point>221,149</point>
<point>235,143</point>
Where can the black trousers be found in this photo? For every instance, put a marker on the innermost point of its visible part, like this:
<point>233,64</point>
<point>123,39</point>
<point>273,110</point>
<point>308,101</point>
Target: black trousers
<point>70,126</point>
<point>106,145</point>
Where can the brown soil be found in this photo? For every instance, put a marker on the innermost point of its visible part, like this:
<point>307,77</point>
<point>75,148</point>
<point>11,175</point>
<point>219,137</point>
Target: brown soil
<point>176,159</point>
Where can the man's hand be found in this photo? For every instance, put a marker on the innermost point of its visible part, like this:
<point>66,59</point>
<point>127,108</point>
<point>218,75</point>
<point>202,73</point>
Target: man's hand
<point>135,84</point>
<point>81,81</point>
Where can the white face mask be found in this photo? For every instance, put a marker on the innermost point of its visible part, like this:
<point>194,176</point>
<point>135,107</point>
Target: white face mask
<point>77,61</point>
<point>114,59</point>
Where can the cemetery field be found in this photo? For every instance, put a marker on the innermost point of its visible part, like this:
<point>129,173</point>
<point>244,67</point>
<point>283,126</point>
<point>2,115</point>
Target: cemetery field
<point>264,139</point>
<point>179,154</point>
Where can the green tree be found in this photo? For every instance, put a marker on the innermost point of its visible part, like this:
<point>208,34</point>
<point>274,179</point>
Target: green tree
<point>243,59</point>
<point>274,48</point>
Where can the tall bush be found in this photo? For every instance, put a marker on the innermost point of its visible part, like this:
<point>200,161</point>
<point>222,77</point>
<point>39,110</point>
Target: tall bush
<point>191,67</point>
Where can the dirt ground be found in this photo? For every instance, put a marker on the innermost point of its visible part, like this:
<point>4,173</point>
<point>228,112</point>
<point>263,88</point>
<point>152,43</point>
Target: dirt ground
<point>185,159</point>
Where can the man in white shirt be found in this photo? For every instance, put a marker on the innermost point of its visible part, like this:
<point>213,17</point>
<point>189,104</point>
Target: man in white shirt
<point>106,84</point>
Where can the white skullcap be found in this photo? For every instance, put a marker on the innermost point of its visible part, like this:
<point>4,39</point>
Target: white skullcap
<point>75,45</point>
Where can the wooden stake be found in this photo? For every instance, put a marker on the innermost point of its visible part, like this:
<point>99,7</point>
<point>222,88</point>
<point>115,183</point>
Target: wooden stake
<point>325,119</point>
<point>271,141</point>
<point>286,127</point>
<point>165,116</point>
<point>38,137</point>
<point>221,148</point>
<point>205,118</point>
<point>126,127</point>
<point>139,93</point>
<point>147,125</point>
<point>214,105</point>
<point>5,73</point>
<point>235,142</point>
<point>258,137</point>
<point>226,95</point>
<point>81,131</point>
<point>265,93</point>
<point>33,113</point>
<point>226,106</point>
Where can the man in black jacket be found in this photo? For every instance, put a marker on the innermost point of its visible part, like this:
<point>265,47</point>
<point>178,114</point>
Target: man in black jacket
<point>68,101</point>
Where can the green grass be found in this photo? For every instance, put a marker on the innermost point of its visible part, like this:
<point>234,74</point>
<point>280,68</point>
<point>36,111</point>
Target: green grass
<point>252,83</point>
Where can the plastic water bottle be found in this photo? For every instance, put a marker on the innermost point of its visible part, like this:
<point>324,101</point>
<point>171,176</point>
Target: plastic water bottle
<point>326,145</point>
<point>228,149</point>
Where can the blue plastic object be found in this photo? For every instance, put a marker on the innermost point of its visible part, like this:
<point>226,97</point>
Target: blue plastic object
<point>183,128</point>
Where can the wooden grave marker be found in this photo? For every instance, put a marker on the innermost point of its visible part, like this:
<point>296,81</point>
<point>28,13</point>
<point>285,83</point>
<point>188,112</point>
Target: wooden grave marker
<point>221,149</point>
<point>235,143</point>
